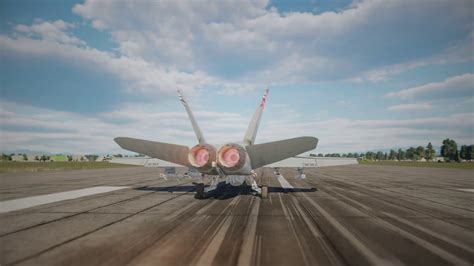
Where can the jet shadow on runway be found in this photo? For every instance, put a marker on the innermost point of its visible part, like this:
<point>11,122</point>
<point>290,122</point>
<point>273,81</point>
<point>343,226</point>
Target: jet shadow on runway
<point>224,191</point>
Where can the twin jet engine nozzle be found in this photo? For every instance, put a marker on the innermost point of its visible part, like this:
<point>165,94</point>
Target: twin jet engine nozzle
<point>201,157</point>
<point>230,157</point>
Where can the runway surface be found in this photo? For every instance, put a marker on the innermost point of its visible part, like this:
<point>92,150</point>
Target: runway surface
<point>348,215</point>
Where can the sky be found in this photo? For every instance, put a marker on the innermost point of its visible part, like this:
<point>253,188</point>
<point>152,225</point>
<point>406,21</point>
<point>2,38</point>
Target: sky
<point>358,75</point>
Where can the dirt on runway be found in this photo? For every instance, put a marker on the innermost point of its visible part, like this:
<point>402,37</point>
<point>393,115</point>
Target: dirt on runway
<point>347,215</point>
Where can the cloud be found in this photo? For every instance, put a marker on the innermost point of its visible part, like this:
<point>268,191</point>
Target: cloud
<point>460,52</point>
<point>254,42</point>
<point>138,74</point>
<point>457,83</point>
<point>233,48</point>
<point>55,31</point>
<point>411,107</point>
<point>167,31</point>
<point>52,40</point>
<point>347,135</point>
<point>76,133</point>
<point>237,89</point>
<point>29,127</point>
<point>229,48</point>
<point>343,102</point>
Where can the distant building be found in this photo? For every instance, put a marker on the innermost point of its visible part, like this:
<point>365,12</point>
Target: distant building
<point>32,158</point>
<point>58,158</point>
<point>78,158</point>
<point>17,158</point>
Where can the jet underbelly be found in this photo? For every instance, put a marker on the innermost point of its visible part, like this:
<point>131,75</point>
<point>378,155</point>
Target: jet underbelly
<point>236,180</point>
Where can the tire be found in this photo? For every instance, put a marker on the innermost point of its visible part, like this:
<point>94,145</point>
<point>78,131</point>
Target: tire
<point>264,192</point>
<point>199,191</point>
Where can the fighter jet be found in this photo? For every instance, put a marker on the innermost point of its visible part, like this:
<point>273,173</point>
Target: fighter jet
<point>235,162</point>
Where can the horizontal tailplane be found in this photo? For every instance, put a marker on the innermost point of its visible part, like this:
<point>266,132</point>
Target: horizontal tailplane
<point>177,154</point>
<point>270,152</point>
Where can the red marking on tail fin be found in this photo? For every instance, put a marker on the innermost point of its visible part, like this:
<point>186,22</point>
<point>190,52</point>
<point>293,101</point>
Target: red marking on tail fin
<point>264,99</point>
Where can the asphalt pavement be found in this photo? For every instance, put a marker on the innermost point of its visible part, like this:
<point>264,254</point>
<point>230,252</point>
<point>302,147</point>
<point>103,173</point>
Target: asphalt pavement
<point>346,215</point>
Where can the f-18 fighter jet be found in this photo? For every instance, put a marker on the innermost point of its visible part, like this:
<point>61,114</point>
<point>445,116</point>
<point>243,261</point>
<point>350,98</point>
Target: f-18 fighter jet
<point>235,162</point>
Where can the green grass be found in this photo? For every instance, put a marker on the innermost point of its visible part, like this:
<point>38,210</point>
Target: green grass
<point>53,166</point>
<point>455,165</point>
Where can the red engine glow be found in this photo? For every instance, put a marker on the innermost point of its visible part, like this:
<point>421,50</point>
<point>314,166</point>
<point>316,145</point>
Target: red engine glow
<point>230,157</point>
<point>201,157</point>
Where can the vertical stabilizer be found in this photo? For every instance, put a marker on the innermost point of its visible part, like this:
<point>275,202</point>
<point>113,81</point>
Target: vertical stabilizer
<point>196,128</point>
<point>251,133</point>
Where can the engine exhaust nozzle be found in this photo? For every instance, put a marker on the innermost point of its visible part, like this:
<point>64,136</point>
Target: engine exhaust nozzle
<point>231,157</point>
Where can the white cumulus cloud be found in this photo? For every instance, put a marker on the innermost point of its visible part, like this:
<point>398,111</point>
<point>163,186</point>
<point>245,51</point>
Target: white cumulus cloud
<point>254,41</point>
<point>452,84</point>
<point>51,31</point>
<point>411,107</point>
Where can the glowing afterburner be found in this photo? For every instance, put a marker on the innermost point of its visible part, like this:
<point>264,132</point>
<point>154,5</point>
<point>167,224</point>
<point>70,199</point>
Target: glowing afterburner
<point>201,156</point>
<point>231,157</point>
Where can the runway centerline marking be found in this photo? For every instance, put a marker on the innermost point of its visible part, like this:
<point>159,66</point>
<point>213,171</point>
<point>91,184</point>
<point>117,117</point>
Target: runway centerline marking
<point>23,203</point>
<point>283,182</point>
<point>467,189</point>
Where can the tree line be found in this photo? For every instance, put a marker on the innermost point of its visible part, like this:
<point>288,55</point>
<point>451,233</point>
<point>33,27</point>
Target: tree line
<point>70,158</point>
<point>449,150</point>
<point>45,158</point>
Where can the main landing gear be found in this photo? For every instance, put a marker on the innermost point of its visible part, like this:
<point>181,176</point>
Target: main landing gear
<point>264,194</point>
<point>263,191</point>
<point>202,191</point>
<point>200,188</point>
<point>200,194</point>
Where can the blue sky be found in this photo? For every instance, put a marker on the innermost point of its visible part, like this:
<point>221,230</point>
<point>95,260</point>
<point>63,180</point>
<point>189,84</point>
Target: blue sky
<point>362,75</point>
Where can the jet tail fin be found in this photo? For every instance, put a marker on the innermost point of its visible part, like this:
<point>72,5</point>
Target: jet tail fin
<point>251,133</point>
<point>195,125</point>
<point>271,152</point>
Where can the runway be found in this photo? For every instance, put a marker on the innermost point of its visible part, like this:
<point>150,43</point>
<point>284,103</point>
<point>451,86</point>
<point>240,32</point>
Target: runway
<point>346,215</point>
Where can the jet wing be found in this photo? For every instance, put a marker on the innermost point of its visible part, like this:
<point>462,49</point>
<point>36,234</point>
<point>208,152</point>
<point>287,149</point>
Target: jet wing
<point>309,162</point>
<point>143,161</point>
<point>295,162</point>
<point>271,152</point>
<point>173,153</point>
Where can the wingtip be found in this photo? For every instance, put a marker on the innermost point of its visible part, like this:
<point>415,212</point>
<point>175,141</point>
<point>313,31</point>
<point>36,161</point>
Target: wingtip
<point>118,139</point>
<point>314,140</point>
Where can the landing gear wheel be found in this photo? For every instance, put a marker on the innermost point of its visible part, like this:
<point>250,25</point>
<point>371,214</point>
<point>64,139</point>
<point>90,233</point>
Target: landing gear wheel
<point>199,191</point>
<point>245,188</point>
<point>264,192</point>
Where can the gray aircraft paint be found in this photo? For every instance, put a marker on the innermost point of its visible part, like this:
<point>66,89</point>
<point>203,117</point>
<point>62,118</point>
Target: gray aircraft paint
<point>195,125</point>
<point>251,133</point>
<point>256,155</point>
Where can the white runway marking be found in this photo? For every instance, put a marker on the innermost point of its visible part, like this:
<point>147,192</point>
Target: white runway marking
<point>283,182</point>
<point>467,189</point>
<point>23,203</point>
